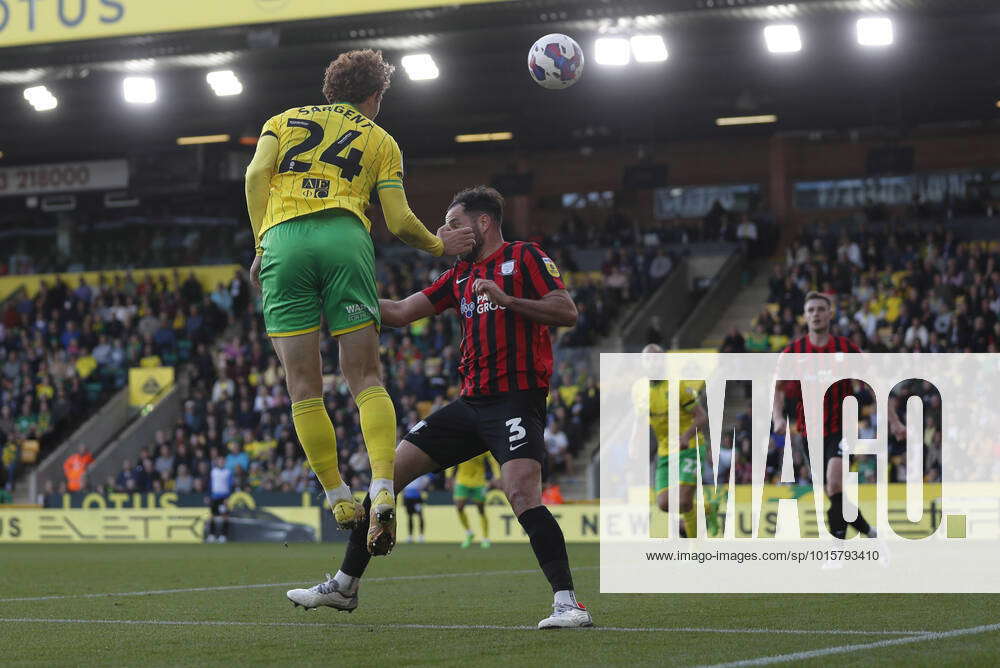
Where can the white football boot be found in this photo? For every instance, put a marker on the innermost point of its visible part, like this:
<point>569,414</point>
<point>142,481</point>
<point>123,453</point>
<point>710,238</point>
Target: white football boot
<point>566,616</point>
<point>325,593</point>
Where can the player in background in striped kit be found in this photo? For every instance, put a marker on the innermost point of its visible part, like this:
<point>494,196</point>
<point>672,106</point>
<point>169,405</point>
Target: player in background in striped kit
<point>818,314</point>
<point>507,295</point>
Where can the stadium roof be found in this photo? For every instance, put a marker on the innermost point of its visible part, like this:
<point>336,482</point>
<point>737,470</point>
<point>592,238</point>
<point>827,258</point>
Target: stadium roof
<point>942,69</point>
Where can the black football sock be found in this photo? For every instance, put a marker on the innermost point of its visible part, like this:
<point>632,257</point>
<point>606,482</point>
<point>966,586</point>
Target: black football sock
<point>549,545</point>
<point>356,557</point>
<point>861,524</point>
<point>835,516</point>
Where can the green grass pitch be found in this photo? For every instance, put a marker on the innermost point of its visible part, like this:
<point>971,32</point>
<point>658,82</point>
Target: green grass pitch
<point>427,605</point>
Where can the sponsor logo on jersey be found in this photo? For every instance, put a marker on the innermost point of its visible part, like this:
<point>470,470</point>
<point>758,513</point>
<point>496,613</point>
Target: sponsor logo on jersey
<point>315,188</point>
<point>483,304</point>
<point>480,306</point>
<point>507,268</point>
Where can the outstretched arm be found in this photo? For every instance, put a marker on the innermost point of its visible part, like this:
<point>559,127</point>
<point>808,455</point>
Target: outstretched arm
<point>402,313</point>
<point>403,223</point>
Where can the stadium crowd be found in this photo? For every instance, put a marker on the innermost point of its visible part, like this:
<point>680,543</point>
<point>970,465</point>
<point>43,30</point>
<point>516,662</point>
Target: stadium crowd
<point>63,350</point>
<point>92,334</point>
<point>895,288</point>
<point>237,405</point>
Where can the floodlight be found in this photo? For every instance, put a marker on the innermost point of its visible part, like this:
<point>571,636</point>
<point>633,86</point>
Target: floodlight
<point>648,48</point>
<point>420,66</point>
<point>139,90</point>
<point>612,51</point>
<point>874,31</point>
<point>782,38</point>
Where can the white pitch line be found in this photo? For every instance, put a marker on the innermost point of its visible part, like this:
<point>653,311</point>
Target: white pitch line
<point>187,590</point>
<point>442,627</point>
<point>844,649</point>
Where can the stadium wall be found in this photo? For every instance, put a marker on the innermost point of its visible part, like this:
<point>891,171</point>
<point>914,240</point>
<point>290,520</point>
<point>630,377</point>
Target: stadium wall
<point>712,305</point>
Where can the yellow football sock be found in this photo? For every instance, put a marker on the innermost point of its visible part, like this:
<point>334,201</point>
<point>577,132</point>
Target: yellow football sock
<point>486,524</point>
<point>691,521</point>
<point>463,519</point>
<point>315,432</point>
<point>378,425</point>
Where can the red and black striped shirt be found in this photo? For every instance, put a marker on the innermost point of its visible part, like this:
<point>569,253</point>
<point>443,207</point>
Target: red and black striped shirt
<point>502,351</point>
<point>833,400</point>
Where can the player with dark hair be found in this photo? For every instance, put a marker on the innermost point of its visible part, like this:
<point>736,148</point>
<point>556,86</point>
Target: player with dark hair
<point>818,314</point>
<point>307,189</point>
<point>507,295</point>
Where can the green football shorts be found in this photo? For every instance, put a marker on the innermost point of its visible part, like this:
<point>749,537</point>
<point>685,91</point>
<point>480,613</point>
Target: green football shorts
<point>320,264</point>
<point>687,465</point>
<point>474,494</point>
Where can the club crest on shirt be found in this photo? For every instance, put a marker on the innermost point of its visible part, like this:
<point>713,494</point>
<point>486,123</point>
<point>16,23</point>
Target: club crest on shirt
<point>467,308</point>
<point>551,266</point>
<point>507,268</point>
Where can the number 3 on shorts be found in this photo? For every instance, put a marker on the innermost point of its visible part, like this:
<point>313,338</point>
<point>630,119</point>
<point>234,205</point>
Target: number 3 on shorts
<point>517,432</point>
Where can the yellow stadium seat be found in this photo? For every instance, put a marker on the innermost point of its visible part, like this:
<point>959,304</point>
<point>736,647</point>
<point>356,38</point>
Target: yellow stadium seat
<point>424,408</point>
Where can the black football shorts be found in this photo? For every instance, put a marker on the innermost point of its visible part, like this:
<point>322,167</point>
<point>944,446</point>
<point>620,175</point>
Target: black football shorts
<point>219,506</point>
<point>413,505</point>
<point>831,448</point>
<point>509,425</point>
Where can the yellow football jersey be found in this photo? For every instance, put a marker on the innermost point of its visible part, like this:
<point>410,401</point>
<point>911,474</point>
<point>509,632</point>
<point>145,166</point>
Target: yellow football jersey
<point>329,156</point>
<point>472,473</point>
<point>654,395</point>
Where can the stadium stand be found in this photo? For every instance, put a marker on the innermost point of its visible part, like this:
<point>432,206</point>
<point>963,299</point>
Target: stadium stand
<point>236,404</point>
<point>66,348</point>
<point>898,287</point>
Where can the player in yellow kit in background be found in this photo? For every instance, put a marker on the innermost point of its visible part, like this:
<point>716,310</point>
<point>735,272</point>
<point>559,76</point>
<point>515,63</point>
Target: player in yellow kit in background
<point>693,438</point>
<point>469,480</point>
<point>307,188</point>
